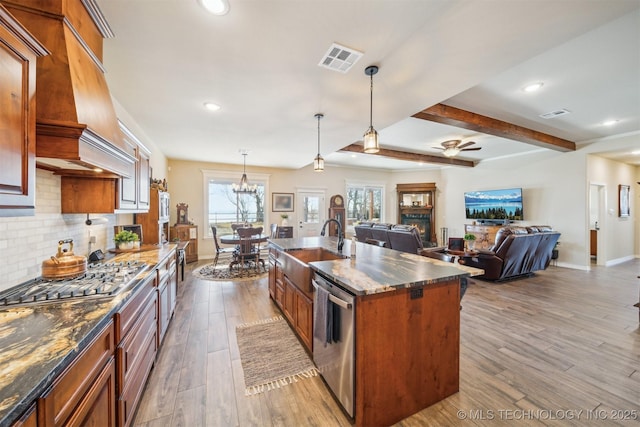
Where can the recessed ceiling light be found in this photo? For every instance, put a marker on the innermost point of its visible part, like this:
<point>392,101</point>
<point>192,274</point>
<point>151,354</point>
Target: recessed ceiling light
<point>211,106</point>
<point>610,122</point>
<point>533,87</point>
<point>217,7</point>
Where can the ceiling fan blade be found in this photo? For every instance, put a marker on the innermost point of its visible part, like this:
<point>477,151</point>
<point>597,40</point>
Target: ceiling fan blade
<point>466,144</point>
<point>471,149</point>
<point>438,148</point>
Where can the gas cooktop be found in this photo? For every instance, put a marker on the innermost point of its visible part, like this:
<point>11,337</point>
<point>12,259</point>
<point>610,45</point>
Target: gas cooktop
<point>105,279</point>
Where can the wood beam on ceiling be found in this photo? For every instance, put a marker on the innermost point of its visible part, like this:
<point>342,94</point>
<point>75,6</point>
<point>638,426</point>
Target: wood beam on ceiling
<point>467,120</point>
<point>412,157</point>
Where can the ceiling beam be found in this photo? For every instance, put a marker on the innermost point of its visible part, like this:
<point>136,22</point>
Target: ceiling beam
<point>412,157</point>
<point>467,120</point>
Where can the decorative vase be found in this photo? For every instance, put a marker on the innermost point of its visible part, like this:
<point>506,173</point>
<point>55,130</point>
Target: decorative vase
<point>125,245</point>
<point>136,244</point>
<point>285,222</point>
<point>471,244</point>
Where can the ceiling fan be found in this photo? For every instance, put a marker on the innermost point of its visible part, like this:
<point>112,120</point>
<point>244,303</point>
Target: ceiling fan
<point>453,147</point>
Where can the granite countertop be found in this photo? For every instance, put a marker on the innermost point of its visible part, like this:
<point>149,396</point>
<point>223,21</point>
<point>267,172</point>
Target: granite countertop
<point>38,341</point>
<point>376,269</point>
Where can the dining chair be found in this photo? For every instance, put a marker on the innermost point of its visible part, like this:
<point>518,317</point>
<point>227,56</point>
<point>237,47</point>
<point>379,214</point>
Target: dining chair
<point>219,250</point>
<point>249,248</point>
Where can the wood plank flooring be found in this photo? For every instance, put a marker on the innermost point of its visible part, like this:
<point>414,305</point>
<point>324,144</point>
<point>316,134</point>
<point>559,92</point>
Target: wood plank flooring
<point>560,348</point>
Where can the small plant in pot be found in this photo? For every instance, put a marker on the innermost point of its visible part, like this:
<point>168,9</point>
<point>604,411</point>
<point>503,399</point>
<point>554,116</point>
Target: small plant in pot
<point>471,241</point>
<point>285,219</point>
<point>125,239</point>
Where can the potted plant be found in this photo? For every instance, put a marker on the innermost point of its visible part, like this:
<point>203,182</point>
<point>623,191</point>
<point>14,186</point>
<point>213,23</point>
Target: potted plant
<point>471,240</point>
<point>125,238</point>
<point>285,219</point>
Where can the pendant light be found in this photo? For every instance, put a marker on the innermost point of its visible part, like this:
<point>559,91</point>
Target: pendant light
<point>244,187</point>
<point>318,162</point>
<point>371,144</point>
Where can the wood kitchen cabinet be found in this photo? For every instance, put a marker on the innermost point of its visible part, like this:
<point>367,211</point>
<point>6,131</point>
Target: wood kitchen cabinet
<point>18,54</point>
<point>155,223</point>
<point>167,293</point>
<point>136,334</point>
<point>84,394</point>
<point>133,192</point>
<point>187,233</point>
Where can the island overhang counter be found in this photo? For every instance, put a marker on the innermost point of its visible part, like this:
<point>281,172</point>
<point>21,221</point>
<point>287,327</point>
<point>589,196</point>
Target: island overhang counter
<point>406,324</point>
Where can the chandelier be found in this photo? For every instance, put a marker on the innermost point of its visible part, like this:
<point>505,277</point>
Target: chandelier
<point>318,162</point>
<point>244,187</point>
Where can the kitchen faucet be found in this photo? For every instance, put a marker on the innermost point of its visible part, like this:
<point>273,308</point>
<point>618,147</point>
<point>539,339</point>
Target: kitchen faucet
<point>340,233</point>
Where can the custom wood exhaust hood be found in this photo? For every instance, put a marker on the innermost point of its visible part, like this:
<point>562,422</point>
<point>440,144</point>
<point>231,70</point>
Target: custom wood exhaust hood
<point>77,130</point>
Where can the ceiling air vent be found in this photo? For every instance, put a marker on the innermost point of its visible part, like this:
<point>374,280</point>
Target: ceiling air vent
<point>340,58</point>
<point>556,113</point>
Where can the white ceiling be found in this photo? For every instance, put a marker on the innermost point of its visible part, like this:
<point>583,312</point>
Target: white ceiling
<point>260,63</point>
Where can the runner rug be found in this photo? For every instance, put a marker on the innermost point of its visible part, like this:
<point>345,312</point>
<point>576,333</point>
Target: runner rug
<point>271,356</point>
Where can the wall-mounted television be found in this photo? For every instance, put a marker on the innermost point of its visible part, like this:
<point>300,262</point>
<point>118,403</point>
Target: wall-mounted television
<point>494,205</point>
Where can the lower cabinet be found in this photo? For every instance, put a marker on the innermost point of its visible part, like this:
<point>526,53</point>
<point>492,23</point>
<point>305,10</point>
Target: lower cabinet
<point>137,322</point>
<point>84,394</point>
<point>296,305</point>
<point>167,294</point>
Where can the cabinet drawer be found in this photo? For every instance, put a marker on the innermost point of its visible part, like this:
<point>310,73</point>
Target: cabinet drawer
<point>70,387</point>
<point>131,351</point>
<point>28,419</point>
<point>135,357</point>
<point>127,316</point>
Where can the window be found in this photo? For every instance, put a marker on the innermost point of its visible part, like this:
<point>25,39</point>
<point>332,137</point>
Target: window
<point>364,203</point>
<point>224,207</point>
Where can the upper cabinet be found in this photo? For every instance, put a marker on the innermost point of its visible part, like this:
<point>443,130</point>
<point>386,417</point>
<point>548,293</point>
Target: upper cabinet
<point>18,53</point>
<point>133,192</point>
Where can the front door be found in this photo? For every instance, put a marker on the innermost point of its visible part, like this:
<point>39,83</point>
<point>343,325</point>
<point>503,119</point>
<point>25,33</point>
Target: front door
<point>311,213</point>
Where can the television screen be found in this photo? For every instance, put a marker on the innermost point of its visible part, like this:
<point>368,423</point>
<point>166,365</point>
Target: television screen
<point>494,204</point>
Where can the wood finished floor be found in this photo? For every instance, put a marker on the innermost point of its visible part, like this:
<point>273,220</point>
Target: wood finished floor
<point>533,352</point>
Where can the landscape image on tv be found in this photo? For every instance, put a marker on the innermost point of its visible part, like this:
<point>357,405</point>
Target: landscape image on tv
<point>494,204</point>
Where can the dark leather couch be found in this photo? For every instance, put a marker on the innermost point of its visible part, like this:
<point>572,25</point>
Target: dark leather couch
<point>517,252</point>
<point>405,238</point>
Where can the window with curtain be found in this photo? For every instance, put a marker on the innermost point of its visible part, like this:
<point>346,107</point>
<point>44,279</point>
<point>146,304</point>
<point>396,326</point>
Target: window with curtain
<point>365,202</point>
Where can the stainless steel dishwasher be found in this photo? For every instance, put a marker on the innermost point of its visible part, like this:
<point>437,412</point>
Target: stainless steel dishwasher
<point>336,359</point>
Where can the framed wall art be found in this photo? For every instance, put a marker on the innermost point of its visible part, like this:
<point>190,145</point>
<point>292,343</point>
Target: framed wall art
<point>624,200</point>
<point>282,202</point>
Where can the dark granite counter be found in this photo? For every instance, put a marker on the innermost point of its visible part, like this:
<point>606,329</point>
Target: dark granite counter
<point>375,269</point>
<point>38,341</point>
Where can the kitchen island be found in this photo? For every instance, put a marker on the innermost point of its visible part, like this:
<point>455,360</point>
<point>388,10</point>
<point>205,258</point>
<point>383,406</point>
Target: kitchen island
<point>406,320</point>
<point>39,342</point>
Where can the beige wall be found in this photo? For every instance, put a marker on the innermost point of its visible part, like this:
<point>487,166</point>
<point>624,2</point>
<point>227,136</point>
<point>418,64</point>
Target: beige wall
<point>555,188</point>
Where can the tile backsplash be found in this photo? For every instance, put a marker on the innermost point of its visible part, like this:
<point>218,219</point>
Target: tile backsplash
<point>25,242</point>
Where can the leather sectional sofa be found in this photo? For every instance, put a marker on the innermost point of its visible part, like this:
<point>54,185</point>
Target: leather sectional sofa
<point>405,238</point>
<point>517,252</point>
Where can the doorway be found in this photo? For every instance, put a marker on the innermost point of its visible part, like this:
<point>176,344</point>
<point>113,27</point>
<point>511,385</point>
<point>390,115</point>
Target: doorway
<point>311,208</point>
<point>596,246</point>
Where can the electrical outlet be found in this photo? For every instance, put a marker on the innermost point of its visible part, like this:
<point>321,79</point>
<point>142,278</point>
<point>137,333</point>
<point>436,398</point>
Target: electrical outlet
<point>92,239</point>
<point>416,293</point>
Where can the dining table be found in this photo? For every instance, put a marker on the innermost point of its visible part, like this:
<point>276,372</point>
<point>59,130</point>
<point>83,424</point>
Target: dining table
<point>234,239</point>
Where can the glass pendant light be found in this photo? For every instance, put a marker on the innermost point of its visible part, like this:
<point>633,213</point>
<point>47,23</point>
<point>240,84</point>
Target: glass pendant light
<point>318,162</point>
<point>371,144</point>
<point>244,187</point>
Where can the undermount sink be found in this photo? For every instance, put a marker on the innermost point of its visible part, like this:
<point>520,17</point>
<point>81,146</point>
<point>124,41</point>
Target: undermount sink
<point>295,265</point>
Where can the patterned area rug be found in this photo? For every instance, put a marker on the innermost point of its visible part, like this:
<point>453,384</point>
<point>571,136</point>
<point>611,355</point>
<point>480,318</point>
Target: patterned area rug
<point>271,356</point>
<point>222,272</point>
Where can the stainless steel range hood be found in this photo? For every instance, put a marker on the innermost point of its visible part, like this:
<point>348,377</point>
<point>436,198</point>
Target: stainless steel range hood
<point>76,123</point>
